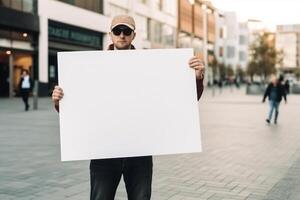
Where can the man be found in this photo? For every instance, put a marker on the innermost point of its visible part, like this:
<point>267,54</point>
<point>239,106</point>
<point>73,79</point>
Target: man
<point>105,174</point>
<point>275,91</point>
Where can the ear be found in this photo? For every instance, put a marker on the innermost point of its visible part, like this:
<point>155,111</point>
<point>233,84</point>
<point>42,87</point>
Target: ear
<point>134,34</point>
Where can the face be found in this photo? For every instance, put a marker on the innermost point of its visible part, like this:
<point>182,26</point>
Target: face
<point>274,80</point>
<point>122,37</point>
<point>24,73</point>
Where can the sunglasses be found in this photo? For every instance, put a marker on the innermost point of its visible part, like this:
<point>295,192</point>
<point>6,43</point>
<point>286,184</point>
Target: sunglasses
<point>126,31</point>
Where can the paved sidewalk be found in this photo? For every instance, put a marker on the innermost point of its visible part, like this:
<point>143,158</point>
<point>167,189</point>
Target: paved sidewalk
<point>243,158</point>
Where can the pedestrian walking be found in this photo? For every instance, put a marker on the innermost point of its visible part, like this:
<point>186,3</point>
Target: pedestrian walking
<point>287,86</point>
<point>105,174</point>
<point>275,91</point>
<point>25,87</point>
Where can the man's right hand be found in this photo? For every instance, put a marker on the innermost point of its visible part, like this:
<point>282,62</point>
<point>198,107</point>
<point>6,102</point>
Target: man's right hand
<point>57,95</point>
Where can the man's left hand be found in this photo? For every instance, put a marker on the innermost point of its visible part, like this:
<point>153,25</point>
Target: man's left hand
<point>196,64</point>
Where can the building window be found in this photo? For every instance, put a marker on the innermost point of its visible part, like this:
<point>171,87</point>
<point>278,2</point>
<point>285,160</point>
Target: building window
<point>20,5</point>
<point>230,52</point>
<point>221,33</point>
<point>149,25</point>
<point>242,56</point>
<point>13,35</point>
<point>144,1</point>
<point>168,35</point>
<point>157,32</point>
<point>221,51</point>
<point>242,40</point>
<point>92,5</point>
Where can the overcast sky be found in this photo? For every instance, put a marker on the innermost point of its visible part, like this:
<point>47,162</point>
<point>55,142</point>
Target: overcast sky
<point>271,12</point>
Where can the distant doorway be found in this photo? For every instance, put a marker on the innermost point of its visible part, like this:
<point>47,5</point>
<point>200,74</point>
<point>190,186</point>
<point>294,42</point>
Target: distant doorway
<point>19,60</point>
<point>4,74</point>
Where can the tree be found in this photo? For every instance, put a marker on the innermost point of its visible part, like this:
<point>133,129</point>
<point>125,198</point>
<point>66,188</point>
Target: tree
<point>230,72</point>
<point>222,70</point>
<point>240,73</point>
<point>297,73</point>
<point>264,56</point>
<point>214,64</point>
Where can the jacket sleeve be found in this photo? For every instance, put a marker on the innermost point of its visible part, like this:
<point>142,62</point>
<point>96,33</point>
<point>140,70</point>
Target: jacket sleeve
<point>56,107</point>
<point>200,88</point>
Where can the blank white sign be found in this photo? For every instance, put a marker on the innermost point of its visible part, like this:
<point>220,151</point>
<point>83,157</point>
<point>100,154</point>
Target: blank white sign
<point>127,103</point>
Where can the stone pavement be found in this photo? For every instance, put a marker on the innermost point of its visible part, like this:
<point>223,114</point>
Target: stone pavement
<point>243,158</point>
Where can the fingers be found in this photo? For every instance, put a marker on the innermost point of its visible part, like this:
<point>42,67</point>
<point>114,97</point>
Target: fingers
<point>57,94</point>
<point>196,63</point>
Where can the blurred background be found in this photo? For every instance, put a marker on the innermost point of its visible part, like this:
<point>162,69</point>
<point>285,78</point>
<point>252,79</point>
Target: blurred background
<point>243,43</point>
<point>230,36</point>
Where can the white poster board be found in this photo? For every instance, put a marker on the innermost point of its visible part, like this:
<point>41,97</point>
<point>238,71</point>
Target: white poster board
<point>127,103</point>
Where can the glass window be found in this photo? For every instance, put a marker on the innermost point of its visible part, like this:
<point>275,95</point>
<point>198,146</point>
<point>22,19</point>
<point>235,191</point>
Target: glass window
<point>242,56</point>
<point>143,1</point>
<point>230,52</point>
<point>221,51</point>
<point>168,35</point>
<point>16,4</point>
<point>79,3</point>
<point>5,3</point>
<point>92,5</point>
<point>243,39</point>
<point>157,27</point>
<point>221,33</point>
<point>28,6</point>
<point>20,5</point>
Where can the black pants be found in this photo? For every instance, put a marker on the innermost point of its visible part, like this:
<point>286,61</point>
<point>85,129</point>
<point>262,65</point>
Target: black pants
<point>106,174</point>
<point>25,95</point>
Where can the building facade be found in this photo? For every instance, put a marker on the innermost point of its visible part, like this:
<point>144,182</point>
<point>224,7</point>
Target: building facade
<point>232,40</point>
<point>244,46</point>
<point>156,21</point>
<point>19,30</point>
<point>288,41</point>
<point>62,28</point>
<point>220,37</point>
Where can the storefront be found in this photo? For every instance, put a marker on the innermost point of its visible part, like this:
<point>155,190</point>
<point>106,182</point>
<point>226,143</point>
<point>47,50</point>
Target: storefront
<point>65,37</point>
<point>12,62</point>
<point>18,47</point>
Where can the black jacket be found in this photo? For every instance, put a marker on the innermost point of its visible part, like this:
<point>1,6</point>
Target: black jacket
<point>31,84</point>
<point>280,92</point>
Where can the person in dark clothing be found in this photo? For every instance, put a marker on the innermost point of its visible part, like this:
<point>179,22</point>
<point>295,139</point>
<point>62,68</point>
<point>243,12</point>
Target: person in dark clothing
<point>25,87</point>
<point>105,174</point>
<point>275,91</point>
<point>287,86</point>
